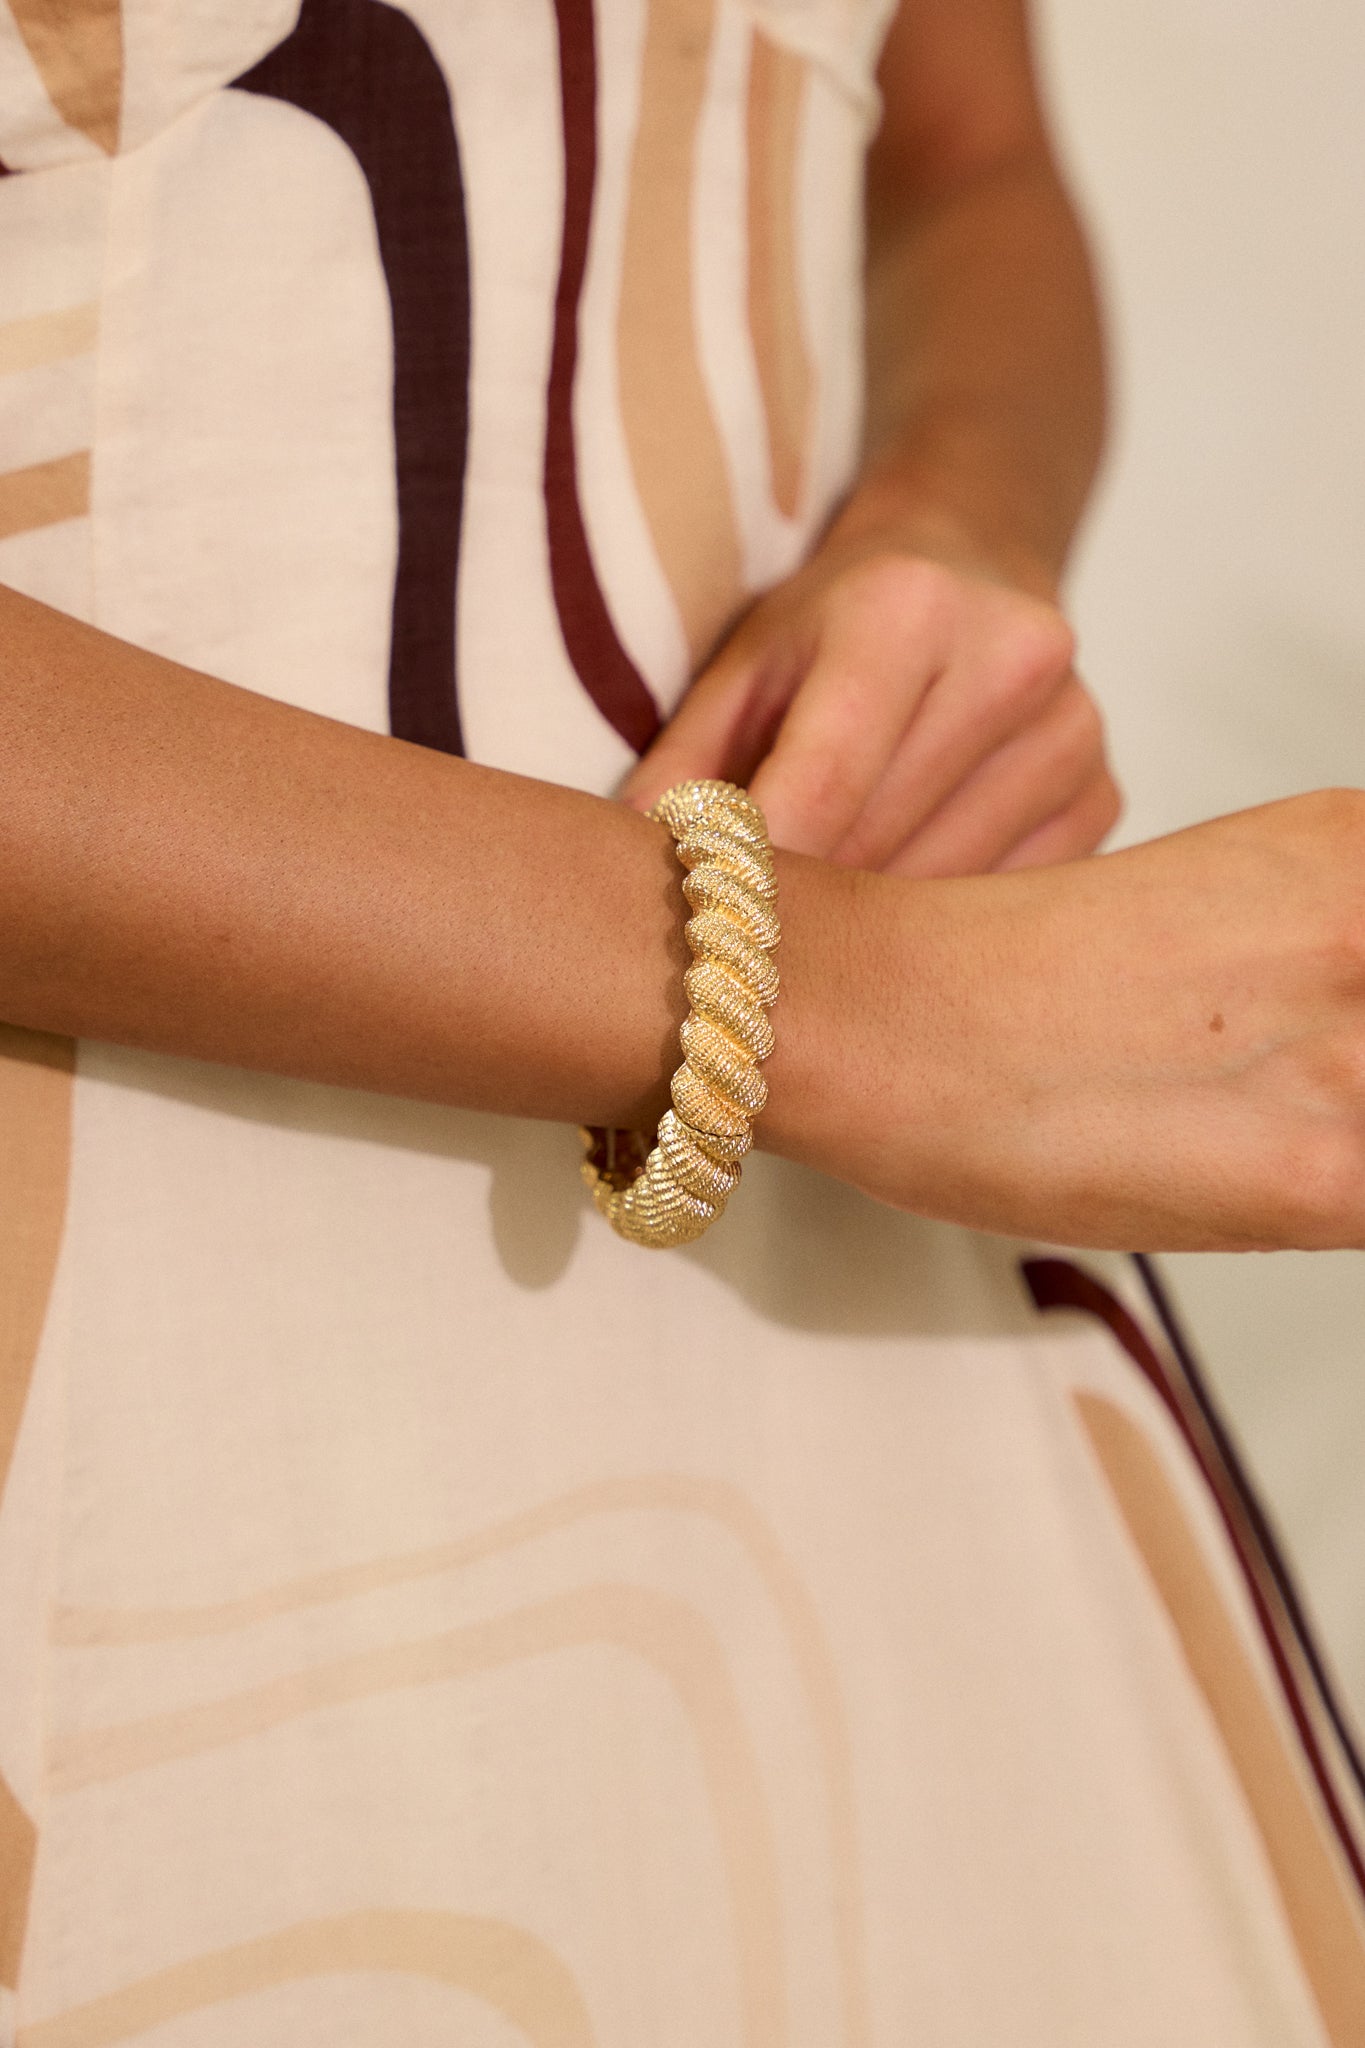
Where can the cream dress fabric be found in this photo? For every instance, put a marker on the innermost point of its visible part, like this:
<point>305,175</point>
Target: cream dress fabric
<point>423,1617</point>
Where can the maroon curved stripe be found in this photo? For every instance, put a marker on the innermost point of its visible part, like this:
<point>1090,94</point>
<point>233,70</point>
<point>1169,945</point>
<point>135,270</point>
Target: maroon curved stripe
<point>1250,1502</point>
<point>1056,1283</point>
<point>604,668</point>
<point>366,70</point>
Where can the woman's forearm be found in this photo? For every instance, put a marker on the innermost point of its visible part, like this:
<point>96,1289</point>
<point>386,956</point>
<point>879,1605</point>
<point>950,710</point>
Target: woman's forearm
<point>984,345</point>
<point>1160,1048</point>
<point>196,869</point>
<point>985,383</point>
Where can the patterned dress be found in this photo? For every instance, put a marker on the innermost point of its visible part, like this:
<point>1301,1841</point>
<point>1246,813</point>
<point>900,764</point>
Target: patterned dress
<point>409,1631</point>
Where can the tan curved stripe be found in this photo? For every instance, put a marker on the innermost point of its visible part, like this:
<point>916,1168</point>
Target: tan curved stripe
<point>48,337</point>
<point>506,1967</point>
<point>777,88</point>
<point>18,1844</point>
<point>1323,1918</point>
<point>35,1158</point>
<point>670,429</point>
<point>1256,1561</point>
<point>44,493</point>
<point>681,1493</point>
<point>666,1633</point>
<point>77,47</point>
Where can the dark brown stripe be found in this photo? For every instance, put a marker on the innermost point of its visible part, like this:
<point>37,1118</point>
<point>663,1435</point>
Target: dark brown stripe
<point>1055,1284</point>
<point>603,666</point>
<point>366,70</point>
<point>1267,1540</point>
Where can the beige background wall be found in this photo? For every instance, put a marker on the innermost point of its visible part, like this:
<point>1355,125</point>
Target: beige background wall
<point>1218,147</point>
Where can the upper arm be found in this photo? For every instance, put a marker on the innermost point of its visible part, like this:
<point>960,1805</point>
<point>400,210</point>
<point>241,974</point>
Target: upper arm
<point>959,95</point>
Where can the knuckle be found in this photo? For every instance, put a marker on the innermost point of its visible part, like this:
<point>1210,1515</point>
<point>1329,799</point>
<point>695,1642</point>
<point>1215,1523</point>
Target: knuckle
<point>1109,804</point>
<point>1329,1070</point>
<point>1034,653</point>
<point>1334,815</point>
<point>1047,641</point>
<point>824,791</point>
<point>1335,852</point>
<point>1340,937</point>
<point>1345,951</point>
<point>1320,1187</point>
<point>1080,728</point>
<point>1092,816</point>
<point>895,591</point>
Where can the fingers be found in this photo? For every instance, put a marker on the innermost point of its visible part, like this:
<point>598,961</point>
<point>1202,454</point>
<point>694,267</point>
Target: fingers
<point>1078,830</point>
<point>1052,771</point>
<point>723,727</point>
<point>829,755</point>
<point>901,717</point>
<point>1008,671</point>
<point>885,636</point>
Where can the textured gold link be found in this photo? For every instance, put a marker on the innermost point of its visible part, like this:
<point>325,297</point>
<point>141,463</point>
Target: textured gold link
<point>733,857</point>
<point>691,1165</point>
<point>710,888</point>
<point>722,842</point>
<point>715,992</point>
<point>695,803</point>
<point>723,1129</point>
<point>659,1210</point>
<point>710,933</point>
<point>728,1068</point>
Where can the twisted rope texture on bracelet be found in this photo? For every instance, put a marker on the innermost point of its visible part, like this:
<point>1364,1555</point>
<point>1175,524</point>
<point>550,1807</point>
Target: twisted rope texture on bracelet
<point>694,1166</point>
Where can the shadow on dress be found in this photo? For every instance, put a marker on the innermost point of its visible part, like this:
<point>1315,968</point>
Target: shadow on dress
<point>804,1252</point>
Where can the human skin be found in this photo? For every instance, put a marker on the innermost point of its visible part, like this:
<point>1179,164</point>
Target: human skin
<point>1160,1048</point>
<point>907,701</point>
<point>1163,1047</point>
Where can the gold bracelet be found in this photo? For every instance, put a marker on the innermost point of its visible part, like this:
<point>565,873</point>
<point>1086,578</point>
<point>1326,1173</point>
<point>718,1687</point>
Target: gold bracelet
<point>670,1196</point>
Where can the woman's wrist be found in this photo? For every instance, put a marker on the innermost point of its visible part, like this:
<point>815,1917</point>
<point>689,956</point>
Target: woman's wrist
<point>902,503</point>
<point>842,971</point>
<point>885,1073</point>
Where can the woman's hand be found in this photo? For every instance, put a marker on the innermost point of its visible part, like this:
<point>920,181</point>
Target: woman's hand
<point>899,711</point>
<point>1162,1049</point>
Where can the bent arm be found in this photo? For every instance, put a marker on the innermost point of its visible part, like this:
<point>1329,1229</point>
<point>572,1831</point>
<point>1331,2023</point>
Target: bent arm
<point>906,701</point>
<point>1162,1048</point>
<point>196,869</point>
<point>985,355</point>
